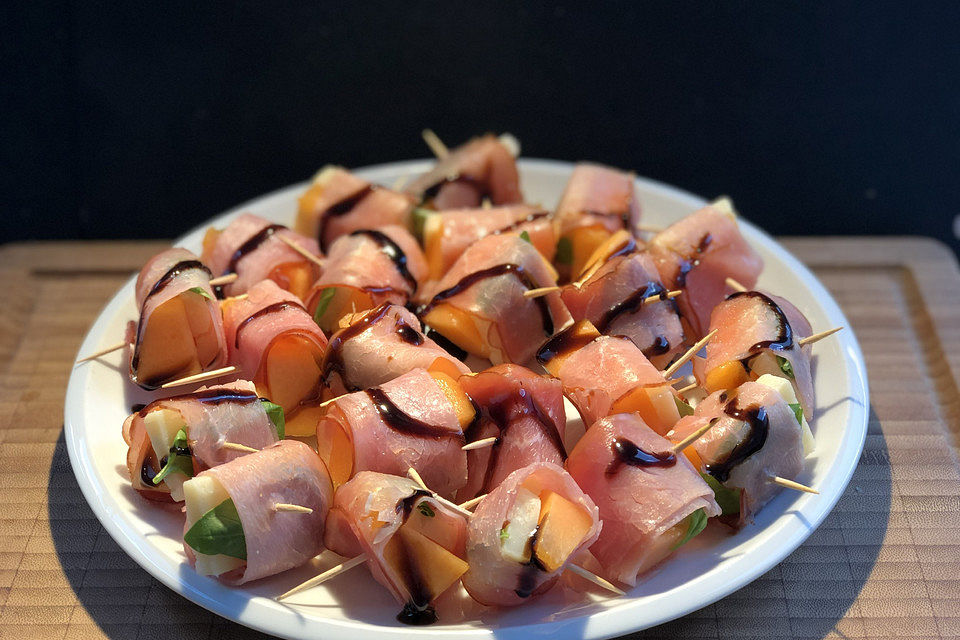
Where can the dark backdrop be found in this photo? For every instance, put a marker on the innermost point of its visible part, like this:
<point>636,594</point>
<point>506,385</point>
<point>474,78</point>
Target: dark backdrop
<point>141,121</point>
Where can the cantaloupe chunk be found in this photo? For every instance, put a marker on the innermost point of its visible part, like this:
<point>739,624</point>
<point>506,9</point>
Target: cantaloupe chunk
<point>603,251</point>
<point>727,376</point>
<point>201,494</point>
<point>345,300</point>
<point>295,277</point>
<point>457,397</point>
<point>335,448</point>
<point>693,457</point>
<point>209,241</point>
<point>584,241</point>
<point>435,568</point>
<point>167,349</point>
<point>433,245</point>
<point>197,309</point>
<point>654,404</point>
<point>433,527</point>
<point>444,365</point>
<point>562,527</point>
<point>663,545</point>
<point>458,327</point>
<point>306,222</point>
<point>290,374</point>
<point>581,333</point>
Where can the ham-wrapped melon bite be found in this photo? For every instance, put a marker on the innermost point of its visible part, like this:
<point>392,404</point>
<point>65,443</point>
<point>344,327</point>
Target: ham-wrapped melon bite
<point>173,439</point>
<point>651,500</point>
<point>697,254</point>
<point>524,533</point>
<point>603,375</point>
<point>338,203</point>
<point>248,248</point>
<point>447,234</point>
<point>759,434</point>
<point>416,420</point>
<point>479,305</point>
<point>363,270</point>
<point>524,412</point>
<point>380,345</point>
<point>237,528</point>
<point>274,342</point>
<point>758,334</point>
<point>614,292</point>
<point>413,543</point>
<point>180,329</point>
<point>597,202</point>
<point>483,168</point>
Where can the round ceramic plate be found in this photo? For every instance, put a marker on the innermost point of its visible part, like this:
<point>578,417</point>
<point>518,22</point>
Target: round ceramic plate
<point>353,606</point>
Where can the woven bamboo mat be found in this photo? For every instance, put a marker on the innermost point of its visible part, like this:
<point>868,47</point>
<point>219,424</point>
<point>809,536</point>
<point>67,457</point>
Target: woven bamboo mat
<point>885,563</point>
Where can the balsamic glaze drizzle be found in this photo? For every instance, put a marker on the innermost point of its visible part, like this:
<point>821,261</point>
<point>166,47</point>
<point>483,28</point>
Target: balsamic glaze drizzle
<point>343,207</point>
<point>276,307</point>
<point>567,341</point>
<point>784,338</point>
<point>632,303</point>
<point>251,245</point>
<point>399,420</point>
<point>627,452</point>
<point>333,356</point>
<point>393,251</point>
<point>688,263</point>
<point>759,425</point>
<point>445,344</point>
<point>519,223</point>
<point>417,611</point>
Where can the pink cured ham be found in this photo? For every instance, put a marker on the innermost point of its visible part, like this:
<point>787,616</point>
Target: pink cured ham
<point>639,503</point>
<point>484,289</point>
<point>457,229</point>
<point>407,422</point>
<point>176,274</point>
<point>382,345</point>
<point>598,196</point>
<point>495,580</point>
<point>697,254</point>
<point>287,472</point>
<point>481,168</point>
<point>524,411</point>
<point>367,514</point>
<point>750,323</point>
<point>247,247</point>
<point>339,202</point>
<point>756,436</point>
<point>211,417</point>
<point>612,299</point>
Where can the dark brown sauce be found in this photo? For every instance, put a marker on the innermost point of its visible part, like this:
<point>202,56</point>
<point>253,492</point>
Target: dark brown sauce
<point>333,356</point>
<point>251,245</point>
<point>527,579</point>
<point>417,611</point>
<point>565,342</point>
<point>519,223</point>
<point>626,452</point>
<point>408,334</point>
<point>688,263</point>
<point>343,207</point>
<point>398,420</point>
<point>704,243</point>
<point>215,395</point>
<point>393,251</point>
<point>148,473</point>
<point>136,408</point>
<point>276,307</point>
<point>632,304</point>
<point>784,338</point>
<point>492,272</point>
<point>759,424</point>
<point>446,344</point>
<point>659,347</point>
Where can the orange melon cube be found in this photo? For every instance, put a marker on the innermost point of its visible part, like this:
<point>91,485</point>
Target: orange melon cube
<point>458,327</point>
<point>654,404</point>
<point>167,350</point>
<point>414,556</point>
<point>457,397</point>
<point>727,376</point>
<point>562,527</point>
<point>289,375</point>
<point>584,241</point>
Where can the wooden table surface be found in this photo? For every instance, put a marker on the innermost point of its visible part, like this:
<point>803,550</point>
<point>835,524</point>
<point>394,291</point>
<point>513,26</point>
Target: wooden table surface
<point>885,563</point>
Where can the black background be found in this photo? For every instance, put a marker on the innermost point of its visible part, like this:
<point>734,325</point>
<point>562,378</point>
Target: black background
<point>133,120</point>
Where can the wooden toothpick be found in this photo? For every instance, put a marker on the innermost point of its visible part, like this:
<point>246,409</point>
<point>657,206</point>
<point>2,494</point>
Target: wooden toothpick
<point>480,444</point>
<point>296,247</point>
<point>790,484</point>
<point>689,387</point>
<point>200,377</point>
<point>692,351</point>
<point>294,508</point>
<point>537,293</point>
<point>736,286</point>
<point>227,279</point>
<point>102,352</point>
<point>595,579</point>
<point>693,437</point>
<point>470,504</point>
<point>818,336</point>
<point>435,143</point>
<point>236,446</point>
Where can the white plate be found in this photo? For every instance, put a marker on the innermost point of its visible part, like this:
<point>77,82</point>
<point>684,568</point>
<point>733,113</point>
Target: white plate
<point>353,606</point>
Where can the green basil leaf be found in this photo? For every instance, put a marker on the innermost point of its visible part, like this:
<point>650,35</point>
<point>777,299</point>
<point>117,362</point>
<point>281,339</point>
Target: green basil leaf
<point>696,522</point>
<point>525,236</point>
<point>683,407</point>
<point>564,252</point>
<point>504,534</point>
<point>177,462</point>
<point>425,509</point>
<point>785,366</point>
<point>728,499</point>
<point>218,531</point>
<point>202,292</point>
<point>323,302</point>
<point>275,413</point>
<point>797,411</point>
<point>418,220</point>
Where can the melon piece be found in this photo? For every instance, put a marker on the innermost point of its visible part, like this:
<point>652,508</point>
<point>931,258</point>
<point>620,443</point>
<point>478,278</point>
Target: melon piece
<point>655,405</point>
<point>580,334</point>
<point>335,447</point>
<point>201,494</point>
<point>162,426</point>
<point>306,222</point>
<point>209,242</point>
<point>457,397</point>
<point>444,365</point>
<point>167,350</point>
<point>727,376</point>
<point>663,546</point>
<point>583,242</point>
<point>562,527</point>
<point>290,375</point>
<point>603,252</point>
<point>520,526</point>
<point>344,300</point>
<point>295,277</point>
<point>786,391</point>
<point>422,561</point>
<point>432,241</point>
<point>458,327</point>
<point>197,308</point>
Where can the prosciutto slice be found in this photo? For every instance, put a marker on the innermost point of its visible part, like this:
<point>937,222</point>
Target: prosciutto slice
<point>211,416</point>
<point>479,303</point>
<point>247,247</point>
<point>756,436</point>
<point>366,516</point>
<point>407,422</point>
<point>639,503</point>
<point>379,346</point>
<point>287,472</point>
<point>496,580</point>
<point>174,290</point>
<point>697,254</point>
<point>524,411</point>
<point>339,202</point>
<point>482,168</point>
<point>598,196</point>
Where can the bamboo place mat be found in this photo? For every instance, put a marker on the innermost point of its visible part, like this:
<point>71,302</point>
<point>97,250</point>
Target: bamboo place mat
<point>885,563</point>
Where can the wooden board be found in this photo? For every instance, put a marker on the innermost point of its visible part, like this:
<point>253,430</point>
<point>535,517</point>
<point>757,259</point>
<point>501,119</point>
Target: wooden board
<point>885,563</point>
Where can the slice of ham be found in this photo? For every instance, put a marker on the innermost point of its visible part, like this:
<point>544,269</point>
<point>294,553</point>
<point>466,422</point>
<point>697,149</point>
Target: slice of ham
<point>487,285</point>
<point>612,299</point>
<point>339,202</point>
<point>495,580</point>
<point>287,472</point>
<point>750,323</point>
<point>366,514</point>
<point>697,254</point>
<point>169,274</point>
<point>407,422</point>
<point>638,504</point>
<point>211,416</point>
<point>379,346</point>
<point>524,411</point>
<point>598,196</point>
<point>481,168</point>
<point>247,247</point>
<point>756,436</point>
